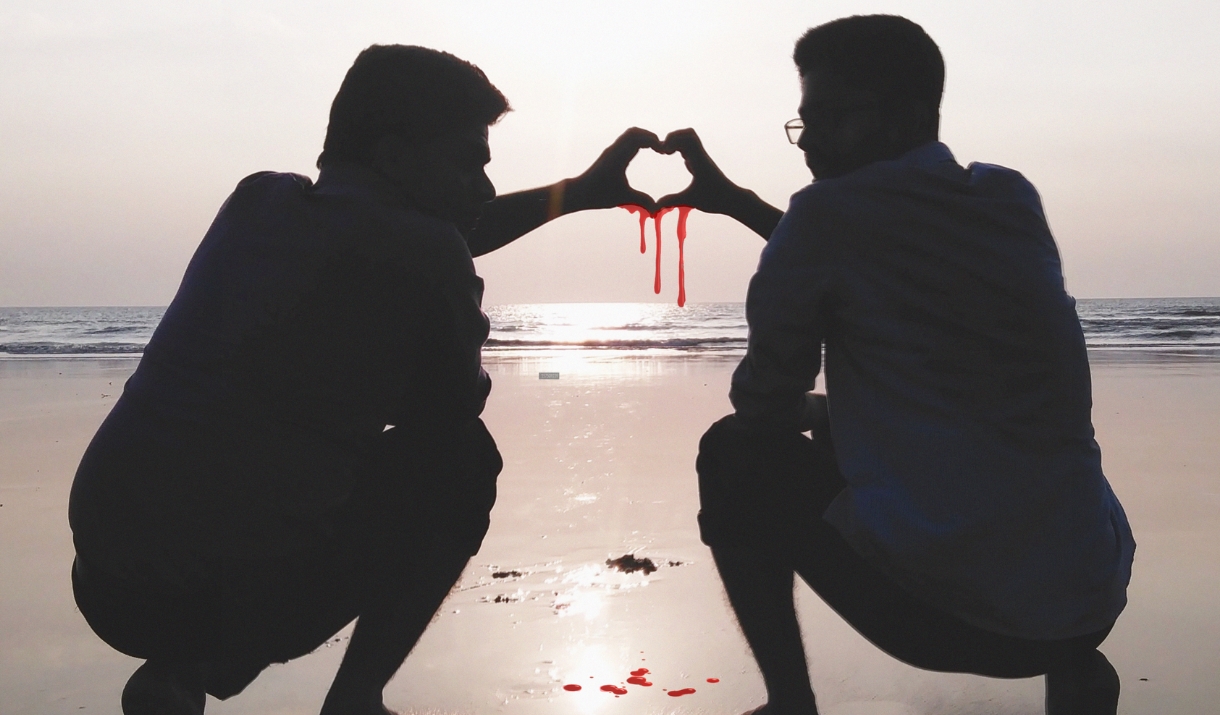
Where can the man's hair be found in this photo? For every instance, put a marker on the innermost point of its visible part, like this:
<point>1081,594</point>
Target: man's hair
<point>886,54</point>
<point>410,91</point>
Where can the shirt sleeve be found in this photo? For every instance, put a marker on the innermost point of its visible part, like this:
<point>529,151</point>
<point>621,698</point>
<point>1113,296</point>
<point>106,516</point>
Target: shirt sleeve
<point>786,309</point>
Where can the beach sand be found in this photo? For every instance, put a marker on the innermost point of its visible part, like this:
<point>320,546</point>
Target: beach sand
<point>599,463</point>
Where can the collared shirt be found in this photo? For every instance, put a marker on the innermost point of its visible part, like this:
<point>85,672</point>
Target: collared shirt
<point>958,389</point>
<point>309,319</point>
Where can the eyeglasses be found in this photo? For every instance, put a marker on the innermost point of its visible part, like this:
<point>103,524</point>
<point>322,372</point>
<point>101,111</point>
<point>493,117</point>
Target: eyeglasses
<point>793,129</point>
<point>828,113</point>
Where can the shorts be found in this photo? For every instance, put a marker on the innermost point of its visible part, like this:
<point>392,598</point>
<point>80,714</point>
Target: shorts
<point>408,500</point>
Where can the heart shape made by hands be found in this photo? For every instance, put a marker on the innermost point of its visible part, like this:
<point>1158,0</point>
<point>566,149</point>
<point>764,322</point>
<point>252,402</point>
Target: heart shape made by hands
<point>645,214</point>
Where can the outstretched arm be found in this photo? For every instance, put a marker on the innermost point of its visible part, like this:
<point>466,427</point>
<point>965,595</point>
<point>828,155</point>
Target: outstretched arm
<point>711,191</point>
<point>604,185</point>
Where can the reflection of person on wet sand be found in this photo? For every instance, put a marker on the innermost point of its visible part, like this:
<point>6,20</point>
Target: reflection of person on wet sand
<point>951,504</point>
<point>245,499</point>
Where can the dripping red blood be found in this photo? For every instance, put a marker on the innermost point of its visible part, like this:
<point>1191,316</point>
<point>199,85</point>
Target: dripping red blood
<point>683,212</point>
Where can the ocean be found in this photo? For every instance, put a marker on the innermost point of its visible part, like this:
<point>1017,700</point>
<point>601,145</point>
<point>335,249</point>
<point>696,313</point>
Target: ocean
<point>1140,324</point>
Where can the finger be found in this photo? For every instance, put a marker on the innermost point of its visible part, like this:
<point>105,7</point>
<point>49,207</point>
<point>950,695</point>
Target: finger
<point>682,141</point>
<point>640,138</point>
<point>682,198</point>
<point>639,198</point>
<point>620,153</point>
<point>629,143</point>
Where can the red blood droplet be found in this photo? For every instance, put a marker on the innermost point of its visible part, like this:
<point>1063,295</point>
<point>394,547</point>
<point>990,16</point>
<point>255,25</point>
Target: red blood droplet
<point>656,220</point>
<point>644,216</point>
<point>571,688</point>
<point>713,680</point>
<point>640,671</point>
<point>639,680</point>
<point>683,212</point>
<point>680,693</point>
<point>614,689</point>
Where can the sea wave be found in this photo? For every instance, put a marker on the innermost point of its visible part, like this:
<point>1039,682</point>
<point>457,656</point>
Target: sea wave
<point>114,329</point>
<point>1109,324</point>
<point>659,343</point>
<point>72,348</point>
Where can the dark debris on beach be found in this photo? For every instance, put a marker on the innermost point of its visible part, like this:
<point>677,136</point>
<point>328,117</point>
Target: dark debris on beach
<point>629,563</point>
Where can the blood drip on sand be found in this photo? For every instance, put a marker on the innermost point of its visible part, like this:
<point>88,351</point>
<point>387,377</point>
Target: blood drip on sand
<point>571,688</point>
<point>640,671</point>
<point>680,693</point>
<point>614,689</point>
<point>713,680</point>
<point>683,212</point>
<point>639,680</point>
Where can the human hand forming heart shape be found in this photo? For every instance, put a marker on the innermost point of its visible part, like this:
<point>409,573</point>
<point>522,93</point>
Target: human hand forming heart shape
<point>605,184</point>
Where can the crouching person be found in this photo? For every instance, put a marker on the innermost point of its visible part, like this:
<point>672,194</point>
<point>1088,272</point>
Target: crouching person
<point>951,504</point>
<point>300,445</point>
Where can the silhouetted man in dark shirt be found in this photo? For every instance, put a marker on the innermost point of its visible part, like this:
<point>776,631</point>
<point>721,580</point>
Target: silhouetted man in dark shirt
<point>951,505</point>
<point>300,445</point>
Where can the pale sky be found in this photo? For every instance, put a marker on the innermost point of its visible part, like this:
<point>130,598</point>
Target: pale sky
<point>125,124</point>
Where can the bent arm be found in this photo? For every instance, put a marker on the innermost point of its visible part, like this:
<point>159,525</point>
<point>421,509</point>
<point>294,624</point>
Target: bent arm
<point>752,212</point>
<point>604,185</point>
<point>787,310</point>
<point>711,191</point>
<point>509,217</point>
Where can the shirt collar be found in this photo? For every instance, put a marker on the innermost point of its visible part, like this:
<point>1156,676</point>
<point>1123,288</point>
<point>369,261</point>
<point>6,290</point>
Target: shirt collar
<point>926,155</point>
<point>350,178</point>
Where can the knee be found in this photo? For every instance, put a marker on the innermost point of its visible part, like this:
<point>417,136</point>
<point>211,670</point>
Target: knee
<point>754,486</point>
<point>730,452</point>
<point>722,445</point>
<point>728,508</point>
<point>481,450</point>
<point>725,429</point>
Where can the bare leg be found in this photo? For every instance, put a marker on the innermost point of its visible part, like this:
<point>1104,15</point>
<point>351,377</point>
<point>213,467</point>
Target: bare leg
<point>387,631</point>
<point>760,592</point>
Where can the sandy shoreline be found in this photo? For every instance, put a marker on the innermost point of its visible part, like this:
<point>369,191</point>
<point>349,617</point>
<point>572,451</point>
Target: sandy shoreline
<point>600,463</point>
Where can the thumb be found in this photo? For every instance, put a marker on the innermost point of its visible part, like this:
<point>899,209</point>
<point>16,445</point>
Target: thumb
<point>639,198</point>
<point>682,198</point>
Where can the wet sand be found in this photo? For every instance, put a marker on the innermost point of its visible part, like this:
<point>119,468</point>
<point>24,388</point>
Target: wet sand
<point>599,463</point>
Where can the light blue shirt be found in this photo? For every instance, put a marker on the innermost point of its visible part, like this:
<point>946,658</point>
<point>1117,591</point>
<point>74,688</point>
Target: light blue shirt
<point>958,389</point>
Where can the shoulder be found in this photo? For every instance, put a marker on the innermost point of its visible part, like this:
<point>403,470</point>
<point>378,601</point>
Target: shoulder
<point>428,242</point>
<point>999,182</point>
<point>420,248</point>
<point>823,199</point>
<point>267,185</point>
<point>815,219</point>
<point>275,179</point>
<point>830,203</point>
<point>369,220</point>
